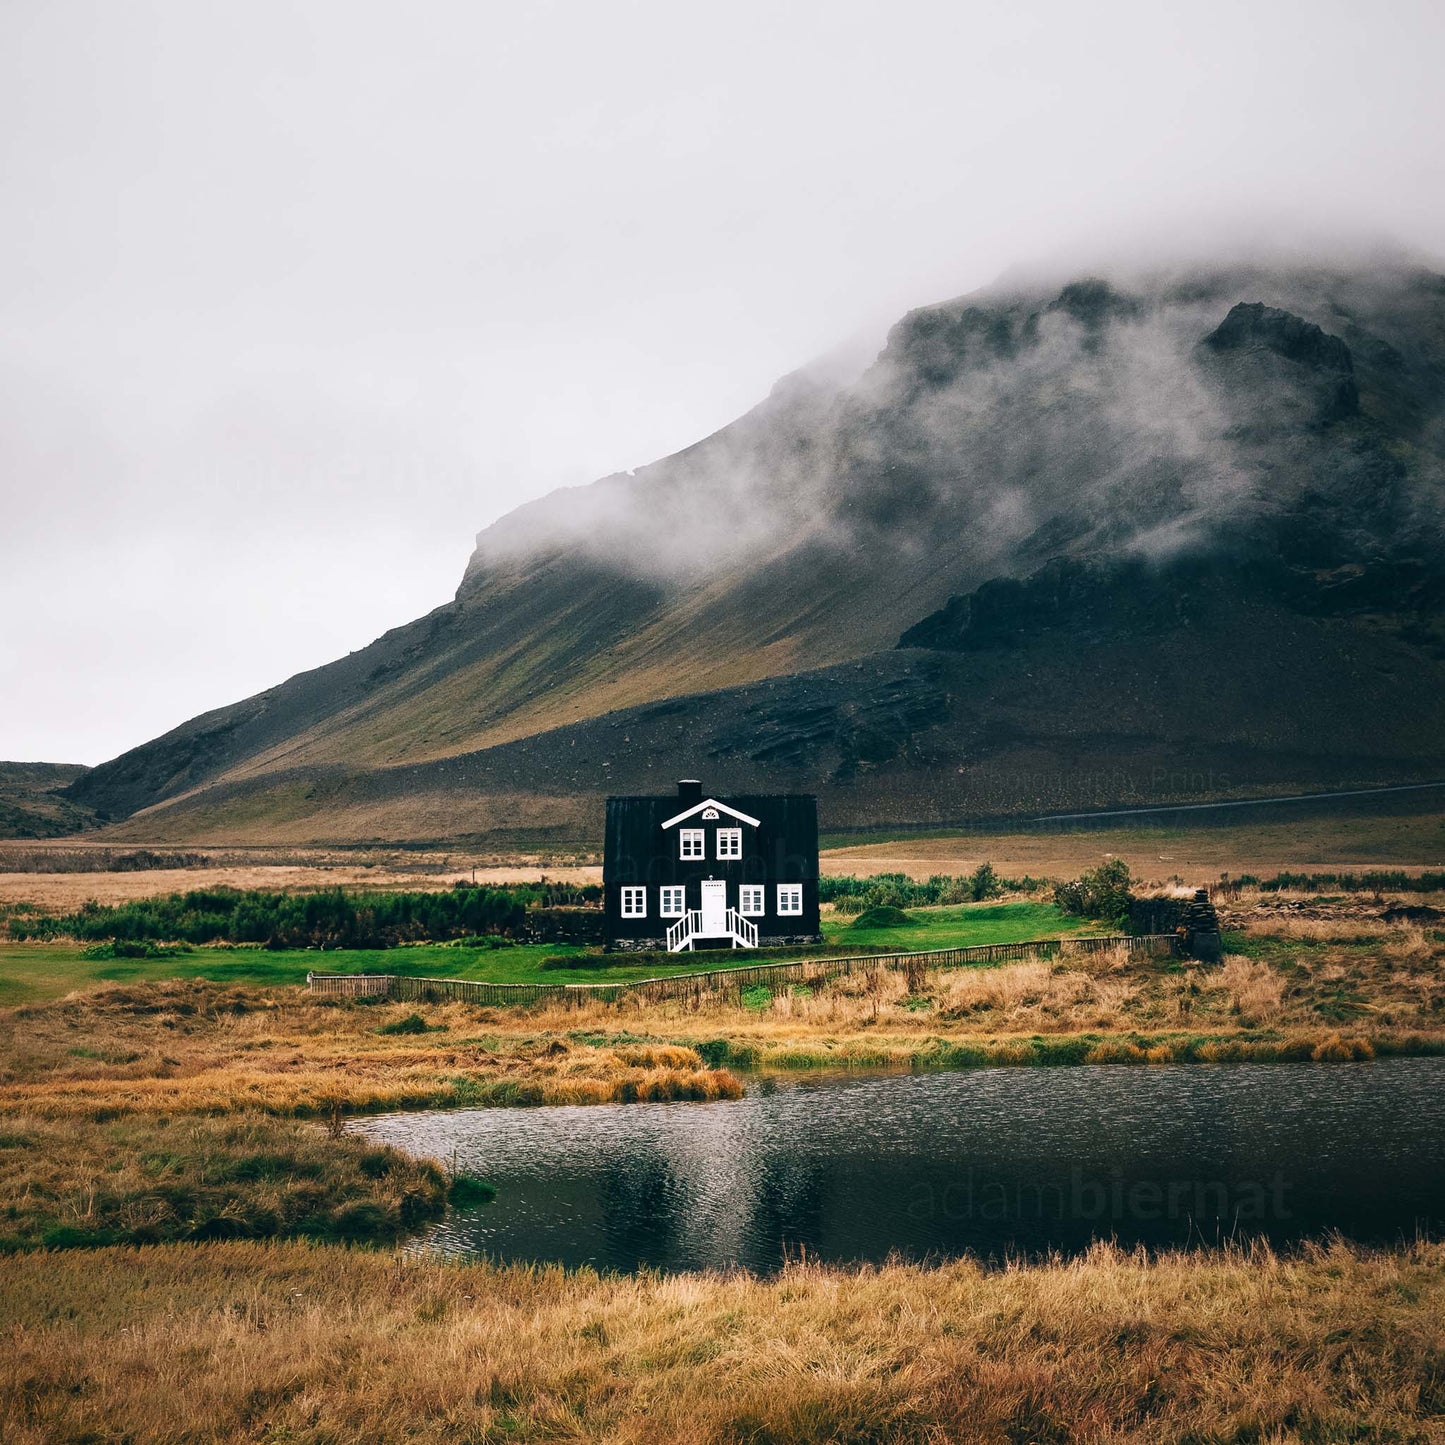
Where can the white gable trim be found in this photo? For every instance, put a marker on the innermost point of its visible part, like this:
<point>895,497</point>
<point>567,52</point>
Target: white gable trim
<point>713,803</point>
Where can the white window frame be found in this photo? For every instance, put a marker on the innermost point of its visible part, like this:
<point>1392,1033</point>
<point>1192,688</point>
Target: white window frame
<point>692,844</point>
<point>634,902</point>
<point>790,900</point>
<point>734,836</point>
<point>752,900</point>
<point>671,901</point>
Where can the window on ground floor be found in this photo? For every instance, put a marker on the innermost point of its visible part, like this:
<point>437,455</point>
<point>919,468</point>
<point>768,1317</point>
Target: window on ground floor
<point>752,900</point>
<point>790,898</point>
<point>673,902</point>
<point>634,903</point>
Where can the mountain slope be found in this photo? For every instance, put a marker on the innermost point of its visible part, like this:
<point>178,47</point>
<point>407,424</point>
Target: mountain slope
<point>33,802</point>
<point>1180,527</point>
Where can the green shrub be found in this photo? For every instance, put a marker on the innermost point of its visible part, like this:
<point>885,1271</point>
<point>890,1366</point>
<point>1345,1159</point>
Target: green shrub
<point>125,948</point>
<point>984,883</point>
<point>1103,893</point>
<point>411,1024</point>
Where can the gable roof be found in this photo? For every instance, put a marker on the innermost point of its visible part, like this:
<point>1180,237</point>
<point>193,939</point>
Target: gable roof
<point>713,803</point>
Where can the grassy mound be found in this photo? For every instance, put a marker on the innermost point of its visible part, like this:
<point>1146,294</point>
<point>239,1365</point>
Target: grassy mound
<point>884,916</point>
<point>147,1180</point>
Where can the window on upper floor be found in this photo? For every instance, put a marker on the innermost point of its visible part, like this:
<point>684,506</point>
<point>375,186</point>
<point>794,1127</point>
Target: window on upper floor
<point>752,900</point>
<point>790,898</point>
<point>672,902</point>
<point>691,843</point>
<point>634,903</point>
<point>730,842</point>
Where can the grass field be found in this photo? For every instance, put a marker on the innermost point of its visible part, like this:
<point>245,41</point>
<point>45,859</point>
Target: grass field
<point>30,972</point>
<point>1157,852</point>
<point>185,1099</point>
<point>959,926</point>
<point>184,1110</point>
<point>1346,985</point>
<point>1382,833</point>
<point>33,971</point>
<point>152,1179</point>
<point>253,1343</point>
<point>64,891</point>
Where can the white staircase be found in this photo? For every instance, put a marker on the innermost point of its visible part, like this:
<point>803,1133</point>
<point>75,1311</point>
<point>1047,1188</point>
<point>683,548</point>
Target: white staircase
<point>743,932</point>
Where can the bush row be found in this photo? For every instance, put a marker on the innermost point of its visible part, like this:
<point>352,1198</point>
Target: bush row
<point>1379,881</point>
<point>897,890</point>
<point>334,918</point>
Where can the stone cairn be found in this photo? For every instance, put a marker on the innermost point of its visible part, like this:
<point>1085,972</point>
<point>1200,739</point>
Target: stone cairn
<point>1200,927</point>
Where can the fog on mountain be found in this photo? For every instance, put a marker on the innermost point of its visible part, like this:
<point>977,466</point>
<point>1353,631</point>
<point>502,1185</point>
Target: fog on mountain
<point>1137,534</point>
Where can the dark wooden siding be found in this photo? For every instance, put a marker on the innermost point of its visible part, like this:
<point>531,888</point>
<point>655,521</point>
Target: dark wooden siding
<point>782,849</point>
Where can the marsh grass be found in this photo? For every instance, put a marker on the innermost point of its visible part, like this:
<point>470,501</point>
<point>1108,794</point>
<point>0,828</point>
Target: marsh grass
<point>1256,990</point>
<point>187,1047</point>
<point>202,1055</point>
<point>1327,930</point>
<point>178,1111</point>
<point>144,1180</point>
<point>240,1342</point>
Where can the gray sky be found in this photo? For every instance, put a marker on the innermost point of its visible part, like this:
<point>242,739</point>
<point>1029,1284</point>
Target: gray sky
<point>295,298</point>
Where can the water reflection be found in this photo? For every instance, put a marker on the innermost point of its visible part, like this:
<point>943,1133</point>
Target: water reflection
<point>991,1162</point>
<point>642,1203</point>
<point>789,1210</point>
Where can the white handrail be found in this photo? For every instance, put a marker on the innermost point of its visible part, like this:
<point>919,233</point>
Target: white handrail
<point>743,930</point>
<point>681,935</point>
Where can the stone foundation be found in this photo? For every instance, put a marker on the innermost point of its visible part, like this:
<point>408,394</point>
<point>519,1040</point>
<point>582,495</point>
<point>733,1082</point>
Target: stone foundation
<point>659,945</point>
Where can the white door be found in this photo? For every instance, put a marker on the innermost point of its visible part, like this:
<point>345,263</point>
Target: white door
<point>714,908</point>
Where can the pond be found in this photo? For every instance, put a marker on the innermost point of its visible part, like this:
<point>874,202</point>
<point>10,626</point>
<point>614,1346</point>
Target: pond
<point>990,1162</point>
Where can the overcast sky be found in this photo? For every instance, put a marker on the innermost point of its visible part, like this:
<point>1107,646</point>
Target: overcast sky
<point>295,298</point>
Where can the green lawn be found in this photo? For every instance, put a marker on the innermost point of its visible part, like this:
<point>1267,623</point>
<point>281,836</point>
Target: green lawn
<point>33,971</point>
<point>962,925</point>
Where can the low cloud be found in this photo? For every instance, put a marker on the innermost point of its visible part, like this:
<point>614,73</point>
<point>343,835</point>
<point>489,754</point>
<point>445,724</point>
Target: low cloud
<point>996,430</point>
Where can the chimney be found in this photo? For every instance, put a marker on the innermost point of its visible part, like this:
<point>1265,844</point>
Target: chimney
<point>689,792</point>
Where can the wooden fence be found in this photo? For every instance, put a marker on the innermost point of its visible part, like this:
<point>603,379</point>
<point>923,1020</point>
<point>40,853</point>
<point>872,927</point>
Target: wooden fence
<point>351,985</point>
<point>810,971</point>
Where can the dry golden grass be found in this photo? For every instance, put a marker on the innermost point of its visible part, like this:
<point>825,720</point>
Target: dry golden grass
<point>135,1055</point>
<point>148,1179</point>
<point>196,1048</point>
<point>303,1343</point>
<point>65,892</point>
<point>160,1111</point>
<point>1323,930</point>
<point>1256,991</point>
<point>99,1098</point>
<point>1352,843</point>
<point>192,1047</point>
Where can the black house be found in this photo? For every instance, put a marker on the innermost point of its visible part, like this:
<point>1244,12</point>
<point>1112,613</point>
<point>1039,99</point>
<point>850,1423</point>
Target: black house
<point>686,871</point>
